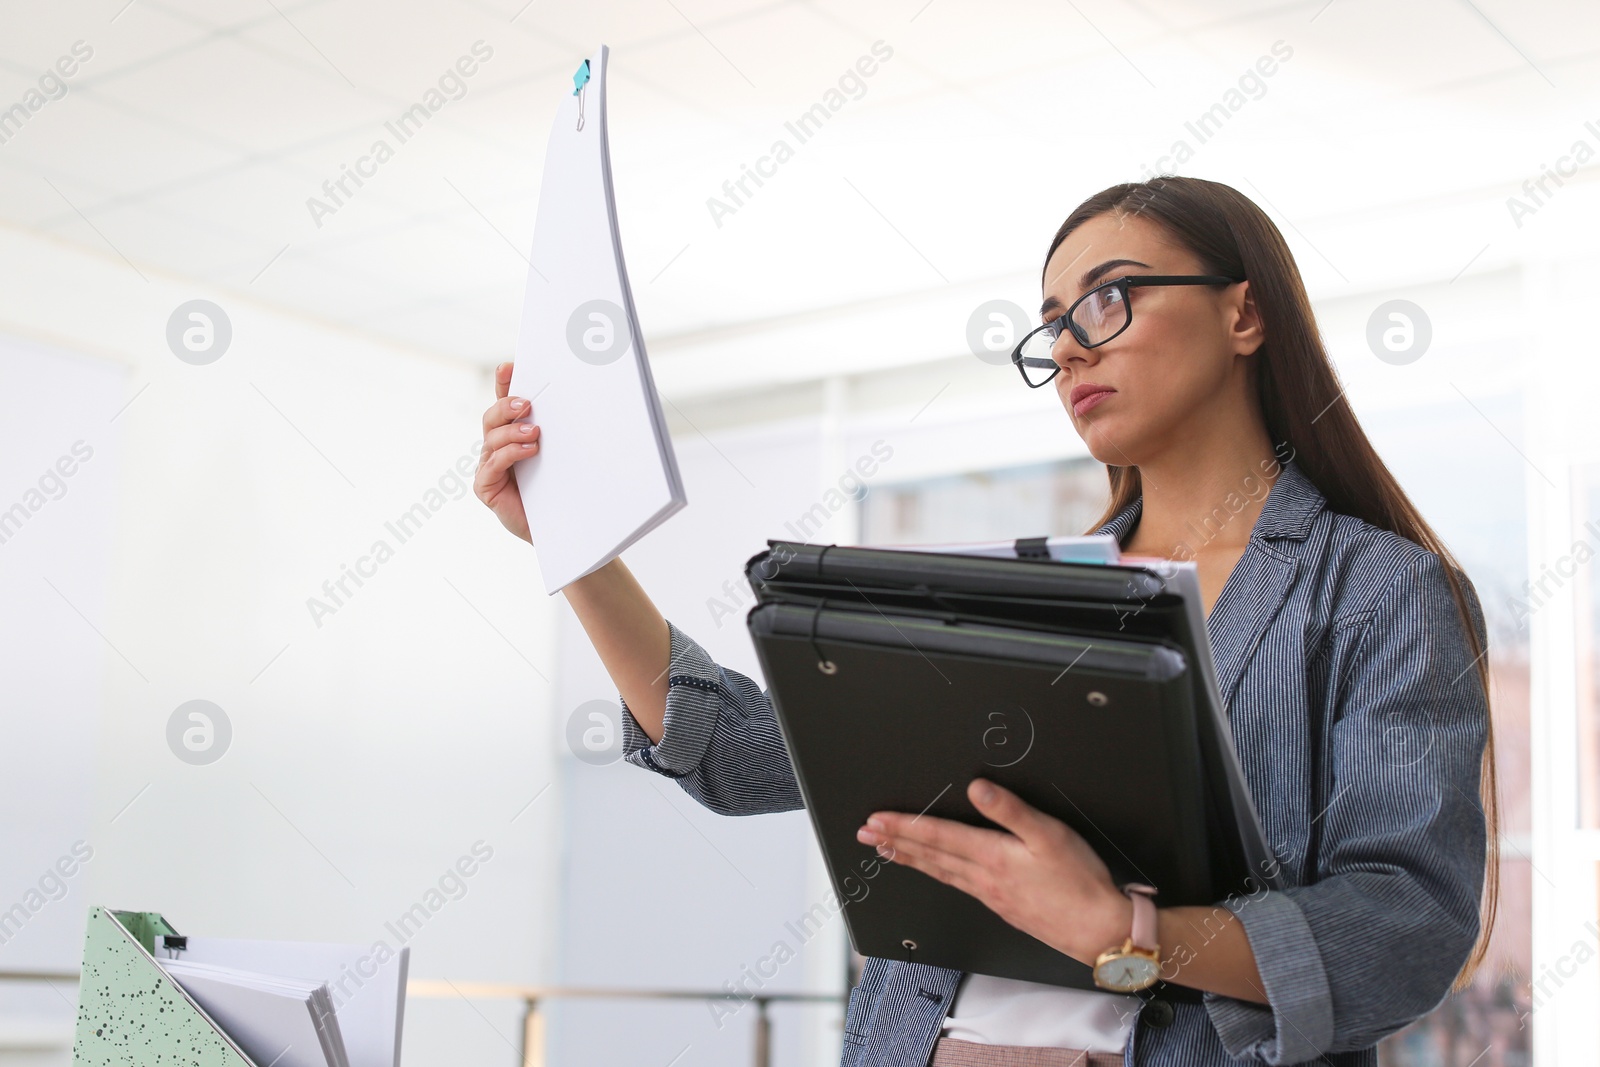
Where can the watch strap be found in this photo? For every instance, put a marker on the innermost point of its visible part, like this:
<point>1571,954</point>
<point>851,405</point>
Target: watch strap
<point>1144,915</point>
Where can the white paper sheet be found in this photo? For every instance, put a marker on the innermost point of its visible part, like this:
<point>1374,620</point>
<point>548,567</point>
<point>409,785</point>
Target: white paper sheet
<point>368,996</point>
<point>1090,548</point>
<point>605,474</point>
<point>286,1022</point>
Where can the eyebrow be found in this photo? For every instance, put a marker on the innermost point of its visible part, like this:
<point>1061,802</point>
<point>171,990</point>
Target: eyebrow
<point>1090,276</point>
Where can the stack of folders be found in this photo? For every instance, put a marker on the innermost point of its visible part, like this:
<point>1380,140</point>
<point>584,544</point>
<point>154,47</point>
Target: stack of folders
<point>1179,577</point>
<point>294,1004</point>
<point>1080,678</point>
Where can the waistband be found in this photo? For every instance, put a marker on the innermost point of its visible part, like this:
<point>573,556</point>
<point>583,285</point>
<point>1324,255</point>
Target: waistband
<point>949,1052</point>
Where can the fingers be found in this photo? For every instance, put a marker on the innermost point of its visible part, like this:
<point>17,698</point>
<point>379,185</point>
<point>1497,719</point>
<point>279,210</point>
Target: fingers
<point>495,464</point>
<point>1000,804</point>
<point>950,869</point>
<point>512,433</point>
<point>505,439</point>
<point>505,407</point>
<point>504,410</point>
<point>493,481</point>
<point>927,832</point>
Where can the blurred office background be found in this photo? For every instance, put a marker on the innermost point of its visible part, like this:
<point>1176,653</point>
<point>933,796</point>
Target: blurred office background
<point>169,526</point>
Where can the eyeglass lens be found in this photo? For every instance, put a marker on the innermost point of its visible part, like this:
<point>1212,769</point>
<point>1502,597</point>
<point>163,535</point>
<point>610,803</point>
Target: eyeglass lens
<point>1098,316</point>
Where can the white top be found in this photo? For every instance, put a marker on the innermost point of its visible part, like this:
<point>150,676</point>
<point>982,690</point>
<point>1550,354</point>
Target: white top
<point>1004,1011</point>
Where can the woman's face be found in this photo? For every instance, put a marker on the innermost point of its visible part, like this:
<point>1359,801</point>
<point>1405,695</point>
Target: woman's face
<point>1181,363</point>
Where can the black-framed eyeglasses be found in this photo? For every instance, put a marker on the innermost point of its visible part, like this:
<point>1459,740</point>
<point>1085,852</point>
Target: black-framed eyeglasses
<point>1094,318</point>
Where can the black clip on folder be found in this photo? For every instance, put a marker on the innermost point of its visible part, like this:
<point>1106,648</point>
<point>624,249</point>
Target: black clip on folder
<point>899,676</point>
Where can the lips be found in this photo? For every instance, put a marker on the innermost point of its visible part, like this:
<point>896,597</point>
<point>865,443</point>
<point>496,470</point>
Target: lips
<point>1086,397</point>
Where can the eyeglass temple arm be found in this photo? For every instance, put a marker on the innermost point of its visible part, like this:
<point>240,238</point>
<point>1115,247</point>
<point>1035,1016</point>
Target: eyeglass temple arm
<point>1137,280</point>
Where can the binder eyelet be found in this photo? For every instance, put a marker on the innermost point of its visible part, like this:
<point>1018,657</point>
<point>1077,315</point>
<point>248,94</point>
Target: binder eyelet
<point>1098,699</point>
<point>824,664</point>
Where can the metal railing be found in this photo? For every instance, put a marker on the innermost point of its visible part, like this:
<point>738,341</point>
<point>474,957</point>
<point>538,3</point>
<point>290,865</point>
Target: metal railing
<point>531,1050</point>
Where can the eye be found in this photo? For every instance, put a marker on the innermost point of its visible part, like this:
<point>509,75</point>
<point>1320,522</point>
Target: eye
<point>1106,297</point>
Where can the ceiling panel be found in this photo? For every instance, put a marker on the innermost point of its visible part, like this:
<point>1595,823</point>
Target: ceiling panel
<point>83,138</point>
<point>36,35</point>
<point>201,127</point>
<point>248,99</point>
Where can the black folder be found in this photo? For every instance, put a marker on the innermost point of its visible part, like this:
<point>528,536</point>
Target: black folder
<point>899,676</point>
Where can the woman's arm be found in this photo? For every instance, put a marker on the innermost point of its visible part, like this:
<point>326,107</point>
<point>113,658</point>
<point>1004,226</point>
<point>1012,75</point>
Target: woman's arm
<point>1206,949</point>
<point>719,737</point>
<point>683,716</point>
<point>631,637</point>
<point>1390,912</point>
<point>625,627</point>
<point>1041,876</point>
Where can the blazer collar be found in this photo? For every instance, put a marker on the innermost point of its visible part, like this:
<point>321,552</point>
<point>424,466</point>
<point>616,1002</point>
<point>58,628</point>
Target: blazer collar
<point>1290,509</point>
<point>1260,582</point>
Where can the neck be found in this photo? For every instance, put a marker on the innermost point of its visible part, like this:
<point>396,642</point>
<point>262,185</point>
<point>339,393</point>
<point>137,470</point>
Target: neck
<point>1205,494</point>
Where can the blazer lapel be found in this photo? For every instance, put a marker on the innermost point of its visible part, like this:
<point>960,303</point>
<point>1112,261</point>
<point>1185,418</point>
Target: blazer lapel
<point>1250,600</point>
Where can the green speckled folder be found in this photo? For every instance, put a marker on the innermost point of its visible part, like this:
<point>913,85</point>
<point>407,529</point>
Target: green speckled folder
<point>130,1014</point>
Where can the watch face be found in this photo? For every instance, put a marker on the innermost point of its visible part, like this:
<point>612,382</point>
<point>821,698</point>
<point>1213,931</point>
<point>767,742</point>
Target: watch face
<point>1127,974</point>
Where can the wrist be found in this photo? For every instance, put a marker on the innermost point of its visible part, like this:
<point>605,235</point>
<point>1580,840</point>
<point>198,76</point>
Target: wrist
<point>1111,927</point>
<point>1130,960</point>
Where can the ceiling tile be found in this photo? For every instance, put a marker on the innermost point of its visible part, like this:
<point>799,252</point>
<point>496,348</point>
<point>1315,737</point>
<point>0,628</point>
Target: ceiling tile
<point>173,240</point>
<point>119,37</point>
<point>201,128</point>
<point>82,137</point>
<point>249,100</point>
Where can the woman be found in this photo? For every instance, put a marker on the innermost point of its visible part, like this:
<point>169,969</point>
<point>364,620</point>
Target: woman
<point>1350,654</point>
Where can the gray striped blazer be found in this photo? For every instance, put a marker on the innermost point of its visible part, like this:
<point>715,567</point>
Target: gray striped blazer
<point>1359,726</point>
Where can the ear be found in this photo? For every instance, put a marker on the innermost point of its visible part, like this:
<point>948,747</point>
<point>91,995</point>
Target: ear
<point>1244,326</point>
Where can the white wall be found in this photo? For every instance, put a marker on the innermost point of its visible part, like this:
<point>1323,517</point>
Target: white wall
<point>55,548</point>
<point>369,752</point>
<point>660,892</point>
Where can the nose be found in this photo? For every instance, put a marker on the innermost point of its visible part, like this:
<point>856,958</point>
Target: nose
<point>1067,351</point>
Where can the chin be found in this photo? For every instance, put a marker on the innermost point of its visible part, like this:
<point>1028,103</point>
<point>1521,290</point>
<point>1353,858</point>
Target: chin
<point>1109,443</point>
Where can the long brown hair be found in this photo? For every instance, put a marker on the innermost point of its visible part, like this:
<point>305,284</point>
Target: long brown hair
<point>1302,401</point>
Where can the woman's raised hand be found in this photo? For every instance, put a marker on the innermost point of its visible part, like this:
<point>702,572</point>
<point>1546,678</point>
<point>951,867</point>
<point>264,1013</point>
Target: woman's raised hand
<point>505,441</point>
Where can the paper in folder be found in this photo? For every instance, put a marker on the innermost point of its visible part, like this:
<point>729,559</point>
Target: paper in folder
<point>605,473</point>
<point>149,995</point>
<point>1079,678</point>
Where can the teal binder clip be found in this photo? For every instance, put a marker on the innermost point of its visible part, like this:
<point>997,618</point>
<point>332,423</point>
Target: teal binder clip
<point>579,80</point>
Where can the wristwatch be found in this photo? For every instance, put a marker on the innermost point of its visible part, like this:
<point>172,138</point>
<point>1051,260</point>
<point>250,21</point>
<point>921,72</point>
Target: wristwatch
<point>1136,963</point>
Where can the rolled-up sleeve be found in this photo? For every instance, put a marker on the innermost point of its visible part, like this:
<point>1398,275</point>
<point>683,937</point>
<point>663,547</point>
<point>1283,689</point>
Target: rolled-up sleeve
<point>720,738</point>
<point>1376,939</point>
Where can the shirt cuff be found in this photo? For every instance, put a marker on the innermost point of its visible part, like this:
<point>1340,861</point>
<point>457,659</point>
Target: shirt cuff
<point>1296,1024</point>
<point>694,701</point>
